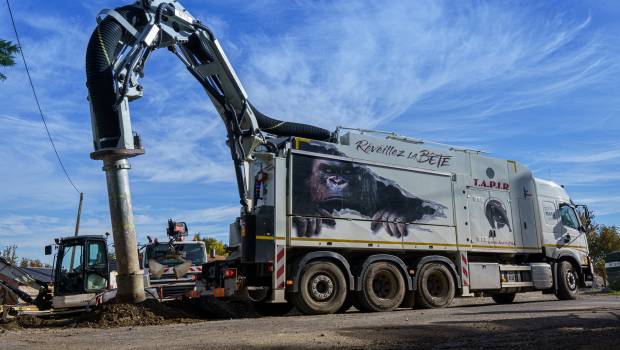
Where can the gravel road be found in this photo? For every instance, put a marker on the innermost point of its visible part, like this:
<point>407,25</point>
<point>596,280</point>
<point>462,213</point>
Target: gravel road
<point>533,321</point>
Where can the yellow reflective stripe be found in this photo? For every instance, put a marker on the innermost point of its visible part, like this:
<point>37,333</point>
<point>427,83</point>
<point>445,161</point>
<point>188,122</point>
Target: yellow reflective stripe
<point>564,246</point>
<point>342,240</point>
<point>269,238</point>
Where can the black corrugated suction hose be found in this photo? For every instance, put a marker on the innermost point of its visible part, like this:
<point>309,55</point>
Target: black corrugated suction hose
<point>280,128</point>
<point>105,44</point>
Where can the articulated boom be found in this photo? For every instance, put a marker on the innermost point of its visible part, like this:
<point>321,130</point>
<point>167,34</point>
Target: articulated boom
<point>150,25</point>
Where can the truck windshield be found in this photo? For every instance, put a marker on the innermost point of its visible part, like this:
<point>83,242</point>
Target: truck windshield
<point>162,253</point>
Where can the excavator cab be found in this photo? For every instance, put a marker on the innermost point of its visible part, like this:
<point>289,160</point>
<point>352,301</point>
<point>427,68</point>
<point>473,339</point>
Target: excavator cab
<point>81,270</point>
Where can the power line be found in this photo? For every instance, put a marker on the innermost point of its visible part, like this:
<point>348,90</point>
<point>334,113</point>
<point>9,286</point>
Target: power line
<point>21,51</point>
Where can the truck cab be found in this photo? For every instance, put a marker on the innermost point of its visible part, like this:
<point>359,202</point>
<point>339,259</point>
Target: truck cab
<point>173,267</point>
<point>563,233</point>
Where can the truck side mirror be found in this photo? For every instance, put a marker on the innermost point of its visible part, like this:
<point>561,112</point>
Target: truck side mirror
<point>48,250</point>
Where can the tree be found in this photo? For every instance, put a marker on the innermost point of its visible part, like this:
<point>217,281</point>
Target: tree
<point>9,253</point>
<point>212,243</point>
<point>25,262</point>
<point>7,50</point>
<point>602,240</point>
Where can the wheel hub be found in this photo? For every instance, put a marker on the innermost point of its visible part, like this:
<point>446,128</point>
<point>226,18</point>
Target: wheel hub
<point>571,280</point>
<point>437,285</point>
<point>383,285</point>
<point>322,287</point>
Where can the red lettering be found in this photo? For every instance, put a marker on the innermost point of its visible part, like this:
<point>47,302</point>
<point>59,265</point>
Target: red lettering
<point>491,184</point>
<point>475,182</point>
<point>483,184</point>
<point>506,186</point>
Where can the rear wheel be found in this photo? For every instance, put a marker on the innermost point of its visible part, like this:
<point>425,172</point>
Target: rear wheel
<point>435,286</point>
<point>504,298</point>
<point>322,289</point>
<point>383,288</point>
<point>568,282</point>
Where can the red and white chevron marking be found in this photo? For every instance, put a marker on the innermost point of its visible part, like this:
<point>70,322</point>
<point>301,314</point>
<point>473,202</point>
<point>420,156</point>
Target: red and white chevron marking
<point>465,269</point>
<point>169,270</point>
<point>280,266</point>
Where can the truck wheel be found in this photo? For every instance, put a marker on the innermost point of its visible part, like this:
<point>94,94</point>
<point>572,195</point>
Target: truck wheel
<point>504,298</point>
<point>383,288</point>
<point>568,282</point>
<point>435,286</point>
<point>273,309</point>
<point>322,289</point>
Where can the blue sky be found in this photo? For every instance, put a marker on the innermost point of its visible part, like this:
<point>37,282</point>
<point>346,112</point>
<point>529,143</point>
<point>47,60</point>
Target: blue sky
<point>531,81</point>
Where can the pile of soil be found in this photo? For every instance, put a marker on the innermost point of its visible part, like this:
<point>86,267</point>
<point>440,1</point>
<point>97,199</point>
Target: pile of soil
<point>147,313</point>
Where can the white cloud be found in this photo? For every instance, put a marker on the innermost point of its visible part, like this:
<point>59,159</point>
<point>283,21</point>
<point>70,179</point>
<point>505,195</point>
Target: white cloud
<point>366,63</point>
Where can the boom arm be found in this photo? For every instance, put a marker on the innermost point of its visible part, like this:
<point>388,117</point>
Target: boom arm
<point>115,59</point>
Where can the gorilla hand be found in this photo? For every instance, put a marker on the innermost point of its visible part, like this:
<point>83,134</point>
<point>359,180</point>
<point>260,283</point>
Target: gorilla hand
<point>311,226</point>
<point>392,221</point>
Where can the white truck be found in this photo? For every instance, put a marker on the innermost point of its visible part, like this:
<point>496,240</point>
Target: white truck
<point>374,221</point>
<point>330,219</point>
<point>172,267</point>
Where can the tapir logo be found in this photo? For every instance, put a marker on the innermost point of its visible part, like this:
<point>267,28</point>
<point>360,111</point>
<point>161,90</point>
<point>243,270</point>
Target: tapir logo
<point>496,213</point>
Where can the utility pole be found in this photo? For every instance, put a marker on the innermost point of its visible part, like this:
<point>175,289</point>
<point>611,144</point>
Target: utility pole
<point>79,215</point>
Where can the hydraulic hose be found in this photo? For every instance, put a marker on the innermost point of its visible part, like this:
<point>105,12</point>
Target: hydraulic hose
<point>281,128</point>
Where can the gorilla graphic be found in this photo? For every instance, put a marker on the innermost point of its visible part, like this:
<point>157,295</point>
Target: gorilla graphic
<point>496,214</point>
<point>325,189</point>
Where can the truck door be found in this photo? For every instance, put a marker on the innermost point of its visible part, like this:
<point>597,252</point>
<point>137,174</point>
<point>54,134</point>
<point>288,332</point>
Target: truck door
<point>479,230</point>
<point>490,221</point>
<point>570,229</point>
<point>498,213</point>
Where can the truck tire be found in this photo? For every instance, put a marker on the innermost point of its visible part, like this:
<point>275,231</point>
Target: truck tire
<point>383,288</point>
<point>273,309</point>
<point>568,282</point>
<point>435,286</point>
<point>504,298</point>
<point>322,289</point>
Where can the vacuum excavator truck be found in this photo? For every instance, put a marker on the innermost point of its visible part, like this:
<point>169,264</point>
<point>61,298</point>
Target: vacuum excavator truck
<point>375,221</point>
<point>330,219</point>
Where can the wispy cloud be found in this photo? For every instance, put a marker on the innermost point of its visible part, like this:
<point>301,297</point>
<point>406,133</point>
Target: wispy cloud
<point>366,63</point>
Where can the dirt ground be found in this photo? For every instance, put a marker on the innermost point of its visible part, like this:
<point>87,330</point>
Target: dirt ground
<point>533,321</point>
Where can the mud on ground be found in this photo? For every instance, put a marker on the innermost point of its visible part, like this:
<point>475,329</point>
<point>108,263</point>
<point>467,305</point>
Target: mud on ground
<point>148,313</point>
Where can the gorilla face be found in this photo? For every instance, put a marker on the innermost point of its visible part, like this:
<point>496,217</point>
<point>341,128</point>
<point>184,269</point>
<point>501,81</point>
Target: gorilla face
<point>496,214</point>
<point>330,180</point>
